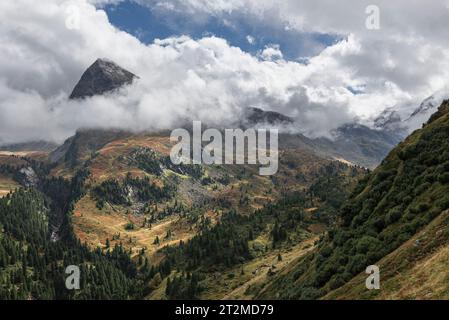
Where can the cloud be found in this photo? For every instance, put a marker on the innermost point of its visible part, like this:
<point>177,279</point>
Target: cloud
<point>250,39</point>
<point>410,50</point>
<point>207,79</point>
<point>271,53</point>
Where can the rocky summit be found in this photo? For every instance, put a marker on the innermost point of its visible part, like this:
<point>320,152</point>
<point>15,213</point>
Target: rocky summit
<point>101,77</point>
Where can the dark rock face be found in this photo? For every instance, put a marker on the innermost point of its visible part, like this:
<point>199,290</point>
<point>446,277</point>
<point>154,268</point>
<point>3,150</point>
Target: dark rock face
<point>101,77</point>
<point>28,177</point>
<point>388,120</point>
<point>256,116</point>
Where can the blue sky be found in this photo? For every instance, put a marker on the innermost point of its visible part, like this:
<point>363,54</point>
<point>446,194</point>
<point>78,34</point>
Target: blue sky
<point>147,25</point>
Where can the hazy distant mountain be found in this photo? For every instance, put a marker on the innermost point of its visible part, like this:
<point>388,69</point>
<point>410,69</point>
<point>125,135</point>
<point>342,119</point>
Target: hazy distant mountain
<point>256,116</point>
<point>429,104</point>
<point>353,143</point>
<point>29,146</point>
<point>389,120</point>
<point>101,77</point>
<point>402,122</point>
<point>425,110</point>
<point>361,145</point>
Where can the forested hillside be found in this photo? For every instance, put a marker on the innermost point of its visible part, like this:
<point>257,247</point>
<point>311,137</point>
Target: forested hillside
<point>37,244</point>
<point>401,197</point>
<point>139,227</point>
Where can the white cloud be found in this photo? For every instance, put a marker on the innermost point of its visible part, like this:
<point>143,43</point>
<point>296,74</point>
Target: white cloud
<point>250,39</point>
<point>207,79</point>
<point>271,53</point>
<point>410,49</point>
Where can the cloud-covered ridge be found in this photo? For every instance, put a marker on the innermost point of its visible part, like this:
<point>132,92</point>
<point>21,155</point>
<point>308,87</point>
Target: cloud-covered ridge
<point>42,57</point>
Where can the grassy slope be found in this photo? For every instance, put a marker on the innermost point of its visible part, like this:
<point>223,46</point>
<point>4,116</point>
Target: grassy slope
<point>7,184</point>
<point>400,199</point>
<point>416,270</point>
<point>110,162</point>
<point>298,170</point>
<point>94,227</point>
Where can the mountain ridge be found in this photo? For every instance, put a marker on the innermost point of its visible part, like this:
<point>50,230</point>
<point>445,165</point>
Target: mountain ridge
<point>399,199</point>
<point>366,149</point>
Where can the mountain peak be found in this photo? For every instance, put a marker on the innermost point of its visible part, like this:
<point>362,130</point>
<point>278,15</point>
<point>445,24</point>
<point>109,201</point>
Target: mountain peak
<point>256,116</point>
<point>442,110</point>
<point>102,76</point>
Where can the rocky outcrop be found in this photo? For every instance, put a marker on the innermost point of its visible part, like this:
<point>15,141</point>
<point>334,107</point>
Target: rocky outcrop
<point>101,77</point>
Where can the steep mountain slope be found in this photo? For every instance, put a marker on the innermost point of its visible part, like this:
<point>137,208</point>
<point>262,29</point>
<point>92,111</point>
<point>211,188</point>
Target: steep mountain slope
<point>134,197</point>
<point>354,144</point>
<point>425,110</point>
<point>202,189</point>
<point>401,121</point>
<point>10,164</point>
<point>101,77</point>
<point>80,147</point>
<point>33,258</point>
<point>416,270</point>
<point>360,145</point>
<point>128,199</point>
<point>36,263</point>
<point>398,200</point>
